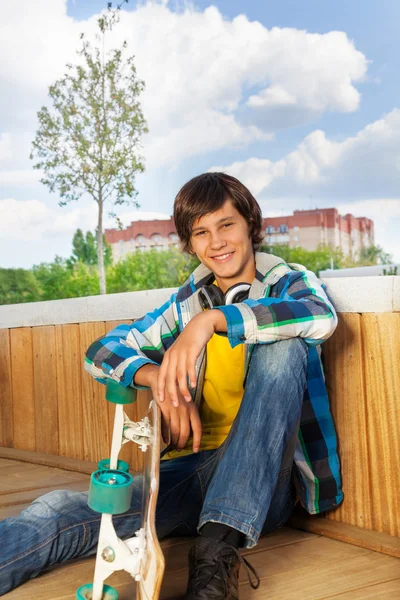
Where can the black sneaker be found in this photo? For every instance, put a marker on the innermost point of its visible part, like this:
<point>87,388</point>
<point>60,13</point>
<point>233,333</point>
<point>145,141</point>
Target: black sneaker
<point>214,570</point>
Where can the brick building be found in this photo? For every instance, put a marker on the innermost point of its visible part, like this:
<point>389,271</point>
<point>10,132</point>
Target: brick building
<point>311,228</point>
<point>305,228</point>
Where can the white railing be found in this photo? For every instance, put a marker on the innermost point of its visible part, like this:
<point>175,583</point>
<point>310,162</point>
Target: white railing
<point>349,294</point>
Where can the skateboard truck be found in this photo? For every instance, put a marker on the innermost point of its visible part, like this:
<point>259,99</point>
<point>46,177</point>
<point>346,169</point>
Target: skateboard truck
<point>140,433</point>
<point>110,494</point>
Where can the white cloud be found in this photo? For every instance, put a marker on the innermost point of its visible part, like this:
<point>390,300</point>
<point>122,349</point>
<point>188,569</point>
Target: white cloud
<point>20,177</point>
<point>5,146</point>
<point>297,68</point>
<point>364,165</point>
<point>137,215</point>
<point>385,212</point>
<point>198,68</point>
<point>32,220</point>
<point>360,175</point>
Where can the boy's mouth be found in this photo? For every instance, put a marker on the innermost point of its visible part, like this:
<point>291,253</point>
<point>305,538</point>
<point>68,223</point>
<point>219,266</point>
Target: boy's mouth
<point>223,257</point>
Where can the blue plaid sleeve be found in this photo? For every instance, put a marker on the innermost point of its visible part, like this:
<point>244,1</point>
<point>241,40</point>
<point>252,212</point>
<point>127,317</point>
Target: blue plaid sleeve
<point>124,350</point>
<point>297,307</point>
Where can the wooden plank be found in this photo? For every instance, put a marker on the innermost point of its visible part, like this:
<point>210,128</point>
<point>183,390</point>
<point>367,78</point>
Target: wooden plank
<point>45,386</point>
<point>62,582</point>
<point>12,511</point>
<point>306,571</point>
<point>24,433</point>
<point>69,391</point>
<point>27,496</point>
<point>343,363</point>
<point>380,591</point>
<point>381,352</point>
<point>313,569</point>
<point>49,460</point>
<point>96,436</point>
<point>176,549</point>
<point>351,534</point>
<point>34,477</point>
<point>6,462</point>
<point>6,415</point>
<point>315,580</point>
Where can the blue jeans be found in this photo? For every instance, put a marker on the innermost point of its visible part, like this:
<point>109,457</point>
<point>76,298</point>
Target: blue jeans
<point>246,483</point>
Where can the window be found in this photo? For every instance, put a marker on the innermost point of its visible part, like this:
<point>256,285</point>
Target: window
<point>283,229</point>
<point>270,229</point>
<point>156,239</point>
<point>140,240</point>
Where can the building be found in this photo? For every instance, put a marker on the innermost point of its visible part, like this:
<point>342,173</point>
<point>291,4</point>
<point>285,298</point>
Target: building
<point>322,226</point>
<point>306,228</point>
<point>142,235</point>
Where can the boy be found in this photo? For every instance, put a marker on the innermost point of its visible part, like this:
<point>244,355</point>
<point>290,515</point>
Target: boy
<point>232,361</point>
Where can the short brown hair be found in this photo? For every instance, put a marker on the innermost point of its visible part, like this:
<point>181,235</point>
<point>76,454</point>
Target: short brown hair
<point>206,194</point>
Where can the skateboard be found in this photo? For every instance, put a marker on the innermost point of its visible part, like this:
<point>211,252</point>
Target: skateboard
<point>110,494</point>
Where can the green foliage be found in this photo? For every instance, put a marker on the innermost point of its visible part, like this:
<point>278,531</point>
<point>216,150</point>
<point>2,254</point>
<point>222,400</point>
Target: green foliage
<point>392,270</point>
<point>67,278</point>
<point>18,285</point>
<point>88,141</point>
<point>374,255</point>
<point>60,279</point>
<point>314,260</point>
<point>84,249</point>
<point>151,269</point>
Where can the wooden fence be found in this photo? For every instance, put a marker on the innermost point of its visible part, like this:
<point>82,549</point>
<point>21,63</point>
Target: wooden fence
<point>50,405</point>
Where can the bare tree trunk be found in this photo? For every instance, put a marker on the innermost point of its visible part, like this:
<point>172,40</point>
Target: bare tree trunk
<point>100,253</point>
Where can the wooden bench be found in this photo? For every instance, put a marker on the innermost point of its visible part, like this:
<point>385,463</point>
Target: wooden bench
<point>54,415</point>
<point>291,563</point>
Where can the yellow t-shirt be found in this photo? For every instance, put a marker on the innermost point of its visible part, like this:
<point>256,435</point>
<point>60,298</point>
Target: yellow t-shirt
<point>222,393</point>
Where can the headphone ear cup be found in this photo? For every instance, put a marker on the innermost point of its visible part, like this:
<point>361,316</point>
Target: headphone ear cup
<point>237,293</point>
<point>210,296</point>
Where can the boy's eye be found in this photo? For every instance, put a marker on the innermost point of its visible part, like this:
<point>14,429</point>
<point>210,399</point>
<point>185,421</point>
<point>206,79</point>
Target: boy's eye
<point>199,233</point>
<point>227,224</point>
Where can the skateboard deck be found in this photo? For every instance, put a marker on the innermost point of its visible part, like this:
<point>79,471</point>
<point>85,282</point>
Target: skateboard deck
<point>153,564</point>
<point>110,493</point>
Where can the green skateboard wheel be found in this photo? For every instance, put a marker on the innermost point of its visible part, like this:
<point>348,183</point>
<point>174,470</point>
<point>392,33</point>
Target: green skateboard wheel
<point>110,491</point>
<point>85,592</point>
<point>118,394</point>
<point>105,464</point>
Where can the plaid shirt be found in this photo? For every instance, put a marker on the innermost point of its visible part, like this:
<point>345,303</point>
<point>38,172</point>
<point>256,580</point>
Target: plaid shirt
<point>284,302</point>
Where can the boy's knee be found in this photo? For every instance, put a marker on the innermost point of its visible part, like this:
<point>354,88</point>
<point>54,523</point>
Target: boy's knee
<point>58,502</point>
<point>281,359</point>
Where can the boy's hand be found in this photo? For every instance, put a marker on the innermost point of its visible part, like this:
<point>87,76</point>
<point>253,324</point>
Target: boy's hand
<point>178,422</point>
<point>179,361</point>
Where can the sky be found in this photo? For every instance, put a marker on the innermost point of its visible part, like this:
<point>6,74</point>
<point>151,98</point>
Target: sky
<point>299,99</point>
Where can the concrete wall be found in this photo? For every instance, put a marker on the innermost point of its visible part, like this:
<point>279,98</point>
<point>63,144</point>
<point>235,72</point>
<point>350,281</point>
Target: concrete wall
<point>355,294</point>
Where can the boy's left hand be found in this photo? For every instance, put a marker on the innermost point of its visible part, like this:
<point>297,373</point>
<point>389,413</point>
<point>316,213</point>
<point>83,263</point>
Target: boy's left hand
<point>179,361</point>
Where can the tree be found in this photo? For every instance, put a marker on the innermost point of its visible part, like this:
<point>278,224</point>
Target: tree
<point>84,249</point>
<point>314,260</point>
<point>59,279</point>
<point>88,141</point>
<point>373,255</point>
<point>151,269</point>
<point>18,285</point>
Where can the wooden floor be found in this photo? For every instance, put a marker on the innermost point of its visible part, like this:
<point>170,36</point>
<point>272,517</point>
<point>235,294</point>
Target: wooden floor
<point>293,565</point>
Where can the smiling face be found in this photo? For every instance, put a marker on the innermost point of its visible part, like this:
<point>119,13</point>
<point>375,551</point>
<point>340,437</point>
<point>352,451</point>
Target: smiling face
<point>222,242</point>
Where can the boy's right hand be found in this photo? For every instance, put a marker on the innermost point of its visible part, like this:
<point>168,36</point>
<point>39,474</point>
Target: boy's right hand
<point>178,422</point>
